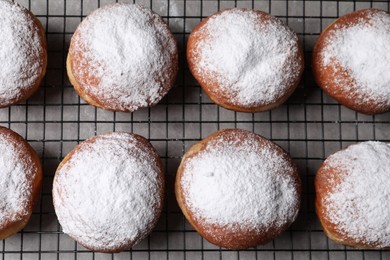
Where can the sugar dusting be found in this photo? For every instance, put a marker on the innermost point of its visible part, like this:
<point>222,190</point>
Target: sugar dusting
<point>16,177</point>
<point>360,203</point>
<point>363,50</point>
<point>20,50</point>
<point>127,56</point>
<point>240,182</point>
<point>254,63</point>
<point>108,194</point>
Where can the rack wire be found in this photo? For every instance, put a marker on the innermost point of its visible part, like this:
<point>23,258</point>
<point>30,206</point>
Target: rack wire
<point>310,126</point>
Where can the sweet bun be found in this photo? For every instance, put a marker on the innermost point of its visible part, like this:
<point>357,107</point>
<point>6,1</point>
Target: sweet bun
<point>108,191</point>
<point>352,196</point>
<point>122,57</point>
<point>245,60</point>
<point>23,53</point>
<point>238,189</point>
<point>20,182</point>
<point>351,61</point>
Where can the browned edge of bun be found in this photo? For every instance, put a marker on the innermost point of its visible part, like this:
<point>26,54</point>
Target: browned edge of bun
<point>324,76</point>
<point>25,94</point>
<point>323,187</point>
<point>94,101</point>
<point>161,180</point>
<point>79,90</point>
<point>231,240</point>
<point>11,228</point>
<point>209,84</point>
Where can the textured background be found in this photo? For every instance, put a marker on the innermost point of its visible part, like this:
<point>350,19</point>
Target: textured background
<point>310,126</point>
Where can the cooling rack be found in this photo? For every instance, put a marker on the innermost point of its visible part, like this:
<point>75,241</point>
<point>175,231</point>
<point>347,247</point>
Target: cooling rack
<point>310,126</point>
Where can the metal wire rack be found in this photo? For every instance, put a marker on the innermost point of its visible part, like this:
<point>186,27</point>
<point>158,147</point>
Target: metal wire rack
<point>310,126</point>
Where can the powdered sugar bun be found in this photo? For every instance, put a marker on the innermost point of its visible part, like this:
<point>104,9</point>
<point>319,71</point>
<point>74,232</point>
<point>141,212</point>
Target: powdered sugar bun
<point>20,182</point>
<point>353,196</point>
<point>238,189</point>
<point>108,191</point>
<point>351,61</point>
<point>122,57</point>
<point>245,60</point>
<point>23,54</point>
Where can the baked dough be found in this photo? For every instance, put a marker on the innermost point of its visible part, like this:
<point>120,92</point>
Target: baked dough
<point>351,61</point>
<point>238,189</point>
<point>352,196</point>
<point>245,60</point>
<point>122,57</point>
<point>23,53</point>
<point>108,191</point>
<point>20,182</point>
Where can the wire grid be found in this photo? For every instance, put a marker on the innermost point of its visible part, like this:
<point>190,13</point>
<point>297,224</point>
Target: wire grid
<point>310,126</point>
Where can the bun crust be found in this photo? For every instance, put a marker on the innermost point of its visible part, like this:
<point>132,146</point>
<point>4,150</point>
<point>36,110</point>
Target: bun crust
<point>139,224</point>
<point>322,188</point>
<point>32,44</point>
<point>221,86</point>
<point>343,83</point>
<point>30,186</point>
<point>233,236</point>
<point>122,71</point>
<point>352,195</point>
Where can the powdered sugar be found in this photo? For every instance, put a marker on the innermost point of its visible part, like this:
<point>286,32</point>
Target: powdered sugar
<point>359,205</point>
<point>253,56</point>
<point>20,52</point>
<point>237,181</point>
<point>363,50</point>
<point>128,56</point>
<point>108,194</point>
<point>16,177</point>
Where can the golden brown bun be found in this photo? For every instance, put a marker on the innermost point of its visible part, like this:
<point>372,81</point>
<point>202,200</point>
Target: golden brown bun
<point>209,81</point>
<point>322,188</point>
<point>28,92</point>
<point>350,229</point>
<point>143,144</point>
<point>336,81</point>
<point>84,82</point>
<point>77,87</point>
<point>239,237</point>
<point>31,160</point>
